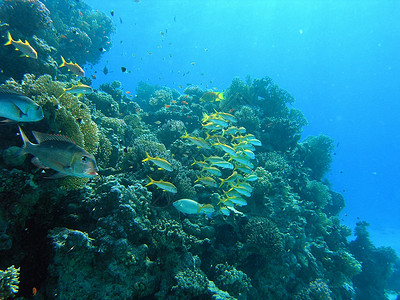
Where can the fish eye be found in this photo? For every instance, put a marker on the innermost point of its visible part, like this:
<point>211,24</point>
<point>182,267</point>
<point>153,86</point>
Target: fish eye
<point>84,158</point>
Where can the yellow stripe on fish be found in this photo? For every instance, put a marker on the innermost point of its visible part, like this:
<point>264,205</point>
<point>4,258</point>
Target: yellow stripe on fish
<point>73,67</point>
<point>209,181</point>
<point>164,185</point>
<point>160,162</point>
<point>25,48</point>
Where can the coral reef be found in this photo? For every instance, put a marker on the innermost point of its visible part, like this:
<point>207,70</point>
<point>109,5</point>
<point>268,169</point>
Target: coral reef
<point>9,280</point>
<point>377,265</point>
<point>27,16</point>
<point>274,233</point>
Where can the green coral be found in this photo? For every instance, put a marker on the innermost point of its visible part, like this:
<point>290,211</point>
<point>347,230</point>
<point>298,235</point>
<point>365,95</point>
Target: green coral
<point>263,237</point>
<point>190,284</point>
<point>9,281</point>
<point>228,278</point>
<point>319,155</point>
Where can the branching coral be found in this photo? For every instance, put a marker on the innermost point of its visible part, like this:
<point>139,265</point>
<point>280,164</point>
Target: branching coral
<point>9,281</point>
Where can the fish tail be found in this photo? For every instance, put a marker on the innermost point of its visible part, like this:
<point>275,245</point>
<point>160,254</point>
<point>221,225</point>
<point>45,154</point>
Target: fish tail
<point>147,158</point>
<point>63,62</point>
<point>222,182</point>
<point>151,181</point>
<point>10,40</point>
<point>25,140</point>
<point>221,96</point>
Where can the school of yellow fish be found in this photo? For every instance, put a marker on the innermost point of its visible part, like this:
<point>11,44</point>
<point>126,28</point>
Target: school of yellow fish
<point>232,151</point>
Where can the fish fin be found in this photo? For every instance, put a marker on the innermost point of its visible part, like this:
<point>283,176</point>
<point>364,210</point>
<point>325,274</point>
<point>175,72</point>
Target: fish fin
<point>63,62</point>
<point>7,122</point>
<point>148,157</point>
<point>56,176</point>
<point>80,95</point>
<point>44,137</point>
<point>10,40</point>
<point>38,163</point>
<point>24,138</point>
<point>151,181</point>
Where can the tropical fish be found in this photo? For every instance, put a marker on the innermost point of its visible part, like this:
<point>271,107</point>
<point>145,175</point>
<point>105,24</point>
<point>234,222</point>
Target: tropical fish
<point>212,126</point>
<point>226,116</point>
<point>209,181</point>
<point>242,190</point>
<point>197,141</point>
<point>164,185</point>
<point>248,153</point>
<point>212,96</point>
<point>73,67</point>
<point>160,162</point>
<point>226,148</point>
<point>19,108</point>
<point>189,206</point>
<point>212,170</point>
<point>218,121</point>
<point>230,178</point>
<point>80,89</point>
<point>25,48</point>
<point>230,130</point>
<point>244,169</point>
<point>61,154</point>
<point>223,164</point>
<point>251,177</point>
<point>200,163</point>
<point>255,142</point>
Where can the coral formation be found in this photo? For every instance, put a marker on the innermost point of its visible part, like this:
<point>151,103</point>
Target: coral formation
<point>273,233</point>
<point>27,16</point>
<point>9,280</point>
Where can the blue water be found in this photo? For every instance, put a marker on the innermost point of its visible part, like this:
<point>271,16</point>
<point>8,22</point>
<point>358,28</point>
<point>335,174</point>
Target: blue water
<point>339,59</point>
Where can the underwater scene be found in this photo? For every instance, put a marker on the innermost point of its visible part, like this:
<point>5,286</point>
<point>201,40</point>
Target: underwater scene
<point>165,149</point>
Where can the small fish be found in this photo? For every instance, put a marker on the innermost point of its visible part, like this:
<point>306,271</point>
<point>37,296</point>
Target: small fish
<point>209,181</point>
<point>80,89</point>
<point>226,148</point>
<point>105,70</point>
<point>25,48</point>
<point>123,69</point>
<point>226,116</point>
<point>73,67</point>
<point>19,108</point>
<point>189,206</point>
<point>251,177</point>
<point>160,162</point>
<point>212,96</point>
<point>61,154</point>
<point>229,179</point>
<point>102,49</point>
<point>164,185</point>
<point>212,170</point>
<point>255,142</point>
<point>112,13</point>
<point>199,142</point>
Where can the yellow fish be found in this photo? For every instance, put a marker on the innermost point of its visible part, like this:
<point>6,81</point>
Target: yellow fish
<point>161,162</point>
<point>73,67</point>
<point>164,185</point>
<point>25,48</point>
<point>212,96</point>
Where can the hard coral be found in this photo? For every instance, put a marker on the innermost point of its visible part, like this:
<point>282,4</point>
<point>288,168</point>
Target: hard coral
<point>28,16</point>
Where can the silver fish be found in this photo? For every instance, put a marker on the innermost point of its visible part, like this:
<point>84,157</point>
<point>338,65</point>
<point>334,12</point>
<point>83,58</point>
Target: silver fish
<point>60,153</point>
<point>19,108</point>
